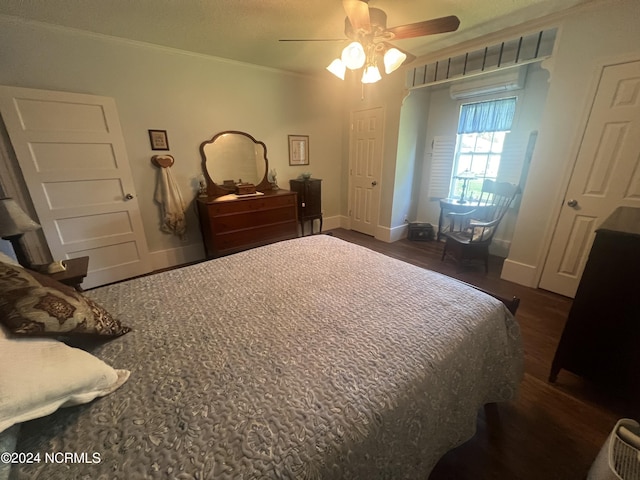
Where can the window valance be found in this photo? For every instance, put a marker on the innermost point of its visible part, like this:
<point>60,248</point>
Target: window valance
<point>490,116</point>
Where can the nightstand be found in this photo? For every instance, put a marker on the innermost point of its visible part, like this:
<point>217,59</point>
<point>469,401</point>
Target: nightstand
<point>75,272</point>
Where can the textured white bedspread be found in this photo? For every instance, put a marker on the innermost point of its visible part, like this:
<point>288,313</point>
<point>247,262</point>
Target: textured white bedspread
<point>307,359</point>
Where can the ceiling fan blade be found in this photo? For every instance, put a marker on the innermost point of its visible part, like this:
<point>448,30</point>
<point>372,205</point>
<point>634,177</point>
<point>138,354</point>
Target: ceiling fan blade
<point>358,14</point>
<point>311,40</point>
<point>428,27</point>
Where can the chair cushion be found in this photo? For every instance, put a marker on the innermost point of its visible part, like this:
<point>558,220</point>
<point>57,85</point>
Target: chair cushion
<point>481,234</point>
<point>459,237</point>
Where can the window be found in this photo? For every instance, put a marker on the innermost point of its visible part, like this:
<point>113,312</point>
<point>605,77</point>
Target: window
<point>477,154</point>
<point>482,130</point>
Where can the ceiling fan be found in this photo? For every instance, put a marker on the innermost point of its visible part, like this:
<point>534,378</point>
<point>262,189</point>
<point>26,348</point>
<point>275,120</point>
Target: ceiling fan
<point>366,27</point>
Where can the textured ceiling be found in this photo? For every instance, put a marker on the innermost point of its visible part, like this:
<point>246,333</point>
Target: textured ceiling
<point>249,30</point>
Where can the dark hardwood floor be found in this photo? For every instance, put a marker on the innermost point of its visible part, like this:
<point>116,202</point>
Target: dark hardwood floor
<point>551,431</point>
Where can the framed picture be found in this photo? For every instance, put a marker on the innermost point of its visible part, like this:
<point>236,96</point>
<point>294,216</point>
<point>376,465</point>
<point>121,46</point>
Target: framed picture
<point>298,149</point>
<point>159,140</point>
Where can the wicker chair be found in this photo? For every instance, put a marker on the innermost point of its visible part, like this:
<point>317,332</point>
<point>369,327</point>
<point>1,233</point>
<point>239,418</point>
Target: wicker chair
<point>471,233</point>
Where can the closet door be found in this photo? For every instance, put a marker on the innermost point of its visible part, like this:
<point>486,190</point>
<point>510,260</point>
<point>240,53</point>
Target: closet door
<point>365,168</point>
<point>606,175</point>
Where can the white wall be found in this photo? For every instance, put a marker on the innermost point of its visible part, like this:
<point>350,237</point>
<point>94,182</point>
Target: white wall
<point>191,96</point>
<point>605,33</point>
<point>411,145</point>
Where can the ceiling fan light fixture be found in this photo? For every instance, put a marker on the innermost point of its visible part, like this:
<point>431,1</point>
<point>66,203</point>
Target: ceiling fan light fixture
<point>371,74</point>
<point>338,68</point>
<point>353,56</point>
<point>393,58</point>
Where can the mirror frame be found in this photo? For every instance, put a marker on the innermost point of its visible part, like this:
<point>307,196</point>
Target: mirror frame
<point>215,190</point>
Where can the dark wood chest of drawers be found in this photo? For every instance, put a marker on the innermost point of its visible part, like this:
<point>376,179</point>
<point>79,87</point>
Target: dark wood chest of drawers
<point>232,225</point>
<point>601,338</point>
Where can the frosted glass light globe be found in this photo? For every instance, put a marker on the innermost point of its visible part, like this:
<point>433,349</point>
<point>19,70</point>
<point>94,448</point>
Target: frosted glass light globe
<point>353,56</point>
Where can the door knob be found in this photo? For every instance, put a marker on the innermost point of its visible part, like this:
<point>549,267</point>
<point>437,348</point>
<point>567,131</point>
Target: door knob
<point>572,203</point>
<point>374,183</point>
<point>128,196</point>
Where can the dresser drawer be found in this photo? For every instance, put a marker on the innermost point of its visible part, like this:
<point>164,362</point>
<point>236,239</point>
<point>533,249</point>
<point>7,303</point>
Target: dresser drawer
<point>250,204</point>
<point>238,240</point>
<point>252,219</point>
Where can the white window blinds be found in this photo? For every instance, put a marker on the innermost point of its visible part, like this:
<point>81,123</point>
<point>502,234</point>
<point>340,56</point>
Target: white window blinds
<point>442,154</point>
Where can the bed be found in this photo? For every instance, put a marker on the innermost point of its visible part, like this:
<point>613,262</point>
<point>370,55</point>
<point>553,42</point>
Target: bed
<point>311,358</point>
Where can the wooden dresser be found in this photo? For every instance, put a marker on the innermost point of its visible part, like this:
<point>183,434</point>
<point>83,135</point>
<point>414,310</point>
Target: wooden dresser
<point>230,225</point>
<point>601,338</point>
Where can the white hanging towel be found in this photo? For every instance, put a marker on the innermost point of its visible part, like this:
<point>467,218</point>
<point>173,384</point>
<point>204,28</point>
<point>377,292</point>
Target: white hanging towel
<point>171,203</point>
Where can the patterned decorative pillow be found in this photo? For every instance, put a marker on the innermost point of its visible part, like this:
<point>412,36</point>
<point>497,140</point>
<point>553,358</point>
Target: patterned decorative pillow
<point>35,304</point>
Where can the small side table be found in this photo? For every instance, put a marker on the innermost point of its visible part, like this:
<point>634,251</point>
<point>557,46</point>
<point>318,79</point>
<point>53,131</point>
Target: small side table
<point>453,205</point>
<point>75,272</point>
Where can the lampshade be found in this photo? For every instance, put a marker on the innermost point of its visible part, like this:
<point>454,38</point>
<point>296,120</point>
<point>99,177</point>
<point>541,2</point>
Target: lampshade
<point>13,220</point>
<point>353,56</point>
<point>393,58</point>
<point>371,74</point>
<point>466,175</point>
<point>338,68</point>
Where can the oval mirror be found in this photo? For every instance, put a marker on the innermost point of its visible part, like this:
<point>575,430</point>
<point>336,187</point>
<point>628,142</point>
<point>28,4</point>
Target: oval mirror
<point>233,156</point>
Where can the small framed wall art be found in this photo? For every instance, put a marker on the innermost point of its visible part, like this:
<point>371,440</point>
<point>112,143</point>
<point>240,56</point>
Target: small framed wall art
<point>298,149</point>
<point>159,140</point>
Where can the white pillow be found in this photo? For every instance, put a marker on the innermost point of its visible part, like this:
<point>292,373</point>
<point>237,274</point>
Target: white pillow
<point>41,375</point>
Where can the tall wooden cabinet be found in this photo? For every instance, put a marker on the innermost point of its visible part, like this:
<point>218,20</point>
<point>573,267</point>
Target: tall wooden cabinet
<point>601,338</point>
<point>309,200</point>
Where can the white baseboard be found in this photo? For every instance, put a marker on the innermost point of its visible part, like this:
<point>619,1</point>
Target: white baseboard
<point>520,273</point>
<point>337,221</point>
<point>499,247</point>
<point>384,234</point>
<point>394,234</point>
<point>177,256</point>
<point>345,222</point>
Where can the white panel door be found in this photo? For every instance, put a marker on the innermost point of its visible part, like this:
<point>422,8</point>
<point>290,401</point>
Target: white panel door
<point>71,152</point>
<point>606,175</point>
<point>365,166</point>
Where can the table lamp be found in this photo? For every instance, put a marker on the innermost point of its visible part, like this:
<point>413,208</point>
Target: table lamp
<point>465,177</point>
<point>14,222</point>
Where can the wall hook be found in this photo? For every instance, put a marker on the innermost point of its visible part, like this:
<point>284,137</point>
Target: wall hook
<point>162,161</point>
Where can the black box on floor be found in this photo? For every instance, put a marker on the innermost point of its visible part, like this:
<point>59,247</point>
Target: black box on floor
<point>422,232</point>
